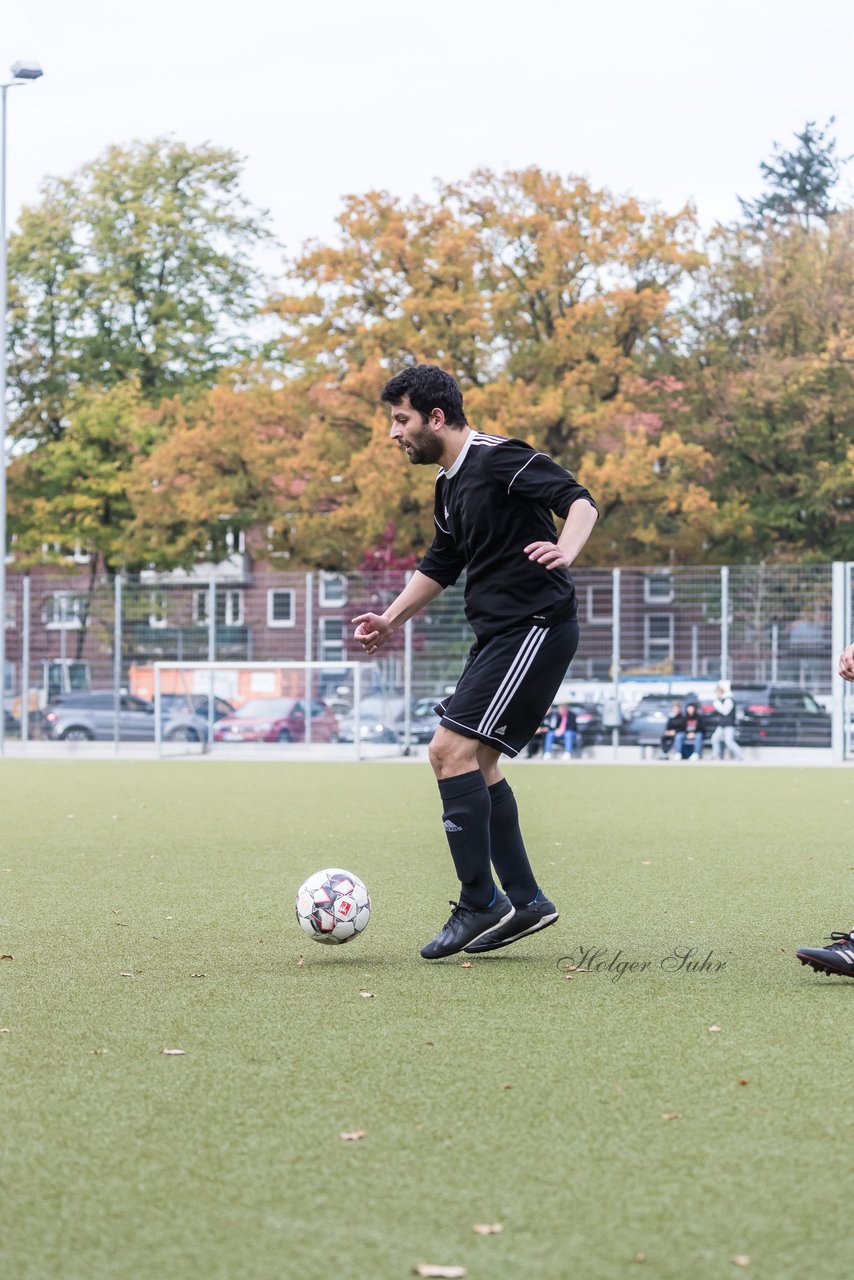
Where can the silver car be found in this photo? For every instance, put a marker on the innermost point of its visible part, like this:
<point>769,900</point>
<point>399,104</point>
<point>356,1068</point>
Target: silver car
<point>90,717</point>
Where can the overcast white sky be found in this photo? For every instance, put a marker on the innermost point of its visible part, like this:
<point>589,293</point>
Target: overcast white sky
<point>669,100</point>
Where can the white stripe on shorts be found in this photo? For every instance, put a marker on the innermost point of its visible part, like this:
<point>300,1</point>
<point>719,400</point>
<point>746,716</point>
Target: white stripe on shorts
<point>516,673</point>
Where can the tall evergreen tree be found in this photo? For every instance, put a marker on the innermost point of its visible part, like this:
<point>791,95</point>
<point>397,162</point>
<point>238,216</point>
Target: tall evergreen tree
<point>799,182</point>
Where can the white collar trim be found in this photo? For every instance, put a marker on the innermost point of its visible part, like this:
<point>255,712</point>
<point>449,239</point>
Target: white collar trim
<point>461,456</point>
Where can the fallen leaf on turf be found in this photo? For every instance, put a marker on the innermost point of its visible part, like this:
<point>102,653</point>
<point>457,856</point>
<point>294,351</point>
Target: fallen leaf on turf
<point>4,1031</point>
<point>744,1082</point>
<point>439,1273</point>
<point>714,1028</point>
<point>507,1086</point>
<point>97,1053</point>
<point>489,1228</point>
<point>671,1115</point>
<point>646,862</point>
<point>740,1259</point>
<point>618,1088</point>
<point>125,975</point>
<point>173,1053</point>
<point>353,1136</point>
<point>366,995</point>
<point>466,964</point>
<point>429,1043</point>
<point>7,957</point>
<point>300,961</point>
<point>639,1257</point>
<point>198,975</point>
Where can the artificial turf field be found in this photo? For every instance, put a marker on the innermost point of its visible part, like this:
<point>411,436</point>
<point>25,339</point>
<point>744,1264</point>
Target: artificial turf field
<point>597,1118</point>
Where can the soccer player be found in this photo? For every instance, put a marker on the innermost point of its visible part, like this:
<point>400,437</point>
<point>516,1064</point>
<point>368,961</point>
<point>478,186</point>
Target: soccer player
<point>493,503</point>
<point>838,957</point>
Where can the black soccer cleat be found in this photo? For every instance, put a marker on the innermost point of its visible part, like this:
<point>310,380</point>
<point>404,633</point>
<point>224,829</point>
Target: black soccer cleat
<point>537,915</point>
<point>836,958</point>
<point>465,925</point>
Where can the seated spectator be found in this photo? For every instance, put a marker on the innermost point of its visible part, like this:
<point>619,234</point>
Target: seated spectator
<point>675,725</point>
<point>688,744</point>
<point>562,725</point>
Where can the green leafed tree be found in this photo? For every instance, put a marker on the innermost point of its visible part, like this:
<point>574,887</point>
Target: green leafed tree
<point>136,267</point>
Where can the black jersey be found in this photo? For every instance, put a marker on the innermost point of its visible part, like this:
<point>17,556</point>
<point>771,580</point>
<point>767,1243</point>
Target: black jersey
<point>496,499</point>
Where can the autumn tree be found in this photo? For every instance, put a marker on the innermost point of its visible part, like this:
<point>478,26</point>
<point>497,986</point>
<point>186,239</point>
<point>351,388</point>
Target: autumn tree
<point>548,300</point>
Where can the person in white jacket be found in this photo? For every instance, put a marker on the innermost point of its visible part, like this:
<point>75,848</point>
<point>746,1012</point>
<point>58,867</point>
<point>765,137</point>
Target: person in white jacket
<point>723,737</point>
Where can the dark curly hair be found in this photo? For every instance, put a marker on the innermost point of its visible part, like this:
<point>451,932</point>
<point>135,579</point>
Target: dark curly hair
<point>428,388</point>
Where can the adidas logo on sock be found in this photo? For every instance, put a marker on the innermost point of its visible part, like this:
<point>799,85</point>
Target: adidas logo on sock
<point>451,826</point>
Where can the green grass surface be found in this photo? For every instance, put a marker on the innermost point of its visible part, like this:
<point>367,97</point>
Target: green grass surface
<point>503,1092</point>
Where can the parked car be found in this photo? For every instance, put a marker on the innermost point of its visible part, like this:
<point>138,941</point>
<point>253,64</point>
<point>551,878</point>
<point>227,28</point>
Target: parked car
<point>591,730</point>
<point>370,729</point>
<point>277,720</point>
<point>777,715</point>
<point>185,715</point>
<point>423,719</point>
<point>645,725</point>
<point>90,717</point>
<point>380,720</point>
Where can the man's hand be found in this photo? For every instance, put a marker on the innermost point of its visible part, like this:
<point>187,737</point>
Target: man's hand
<point>372,631</point>
<point>548,554</point>
<point>846,663</point>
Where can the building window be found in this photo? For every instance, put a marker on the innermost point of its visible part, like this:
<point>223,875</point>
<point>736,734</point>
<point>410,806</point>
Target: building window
<point>10,612</point>
<point>599,603</point>
<point>281,607</point>
<point>333,590</point>
<point>331,640</point>
<point>64,611</point>
<point>229,607</point>
<point>157,609</point>
<point>658,637</point>
<point>658,587</point>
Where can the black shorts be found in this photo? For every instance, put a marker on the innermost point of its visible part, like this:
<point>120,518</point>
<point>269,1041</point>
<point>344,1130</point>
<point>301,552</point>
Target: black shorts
<point>509,683</point>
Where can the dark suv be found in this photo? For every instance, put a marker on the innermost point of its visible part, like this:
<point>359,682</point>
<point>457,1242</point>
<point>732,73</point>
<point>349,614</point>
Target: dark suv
<point>778,715</point>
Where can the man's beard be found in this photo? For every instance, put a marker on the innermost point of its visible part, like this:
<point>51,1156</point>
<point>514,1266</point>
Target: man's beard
<point>425,448</point>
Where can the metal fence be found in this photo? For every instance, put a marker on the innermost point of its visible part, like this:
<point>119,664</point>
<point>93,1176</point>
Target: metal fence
<point>640,627</point>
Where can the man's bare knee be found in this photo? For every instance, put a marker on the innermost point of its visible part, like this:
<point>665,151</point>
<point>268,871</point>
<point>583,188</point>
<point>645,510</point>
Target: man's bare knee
<point>452,754</point>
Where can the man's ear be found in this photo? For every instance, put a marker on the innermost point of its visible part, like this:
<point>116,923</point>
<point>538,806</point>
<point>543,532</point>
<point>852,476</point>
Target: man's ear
<point>437,417</point>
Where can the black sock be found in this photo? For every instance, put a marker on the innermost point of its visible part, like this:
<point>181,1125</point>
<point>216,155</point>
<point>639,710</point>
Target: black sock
<point>465,814</point>
<point>507,847</point>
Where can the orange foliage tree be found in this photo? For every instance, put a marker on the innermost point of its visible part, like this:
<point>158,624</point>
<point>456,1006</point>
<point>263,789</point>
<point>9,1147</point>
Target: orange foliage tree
<point>550,302</point>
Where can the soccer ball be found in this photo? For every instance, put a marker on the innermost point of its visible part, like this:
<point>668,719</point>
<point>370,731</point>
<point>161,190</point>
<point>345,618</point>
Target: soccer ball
<point>333,906</point>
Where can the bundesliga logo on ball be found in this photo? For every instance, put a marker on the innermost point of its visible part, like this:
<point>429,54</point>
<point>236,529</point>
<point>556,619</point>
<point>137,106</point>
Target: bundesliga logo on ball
<point>333,906</point>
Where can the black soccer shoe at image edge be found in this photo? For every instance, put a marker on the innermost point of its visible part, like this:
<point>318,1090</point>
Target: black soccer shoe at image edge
<point>526,920</point>
<point>838,957</point>
<point>465,925</point>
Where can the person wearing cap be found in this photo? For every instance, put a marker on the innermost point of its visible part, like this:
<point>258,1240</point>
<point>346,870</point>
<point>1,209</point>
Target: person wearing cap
<point>723,735</point>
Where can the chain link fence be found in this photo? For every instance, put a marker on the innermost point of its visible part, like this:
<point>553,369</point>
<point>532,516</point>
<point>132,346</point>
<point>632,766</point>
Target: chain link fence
<point>75,634</point>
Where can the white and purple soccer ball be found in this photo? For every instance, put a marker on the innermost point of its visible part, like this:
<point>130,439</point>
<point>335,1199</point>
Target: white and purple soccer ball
<point>333,906</point>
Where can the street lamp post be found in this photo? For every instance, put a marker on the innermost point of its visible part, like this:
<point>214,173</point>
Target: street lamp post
<point>22,72</point>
